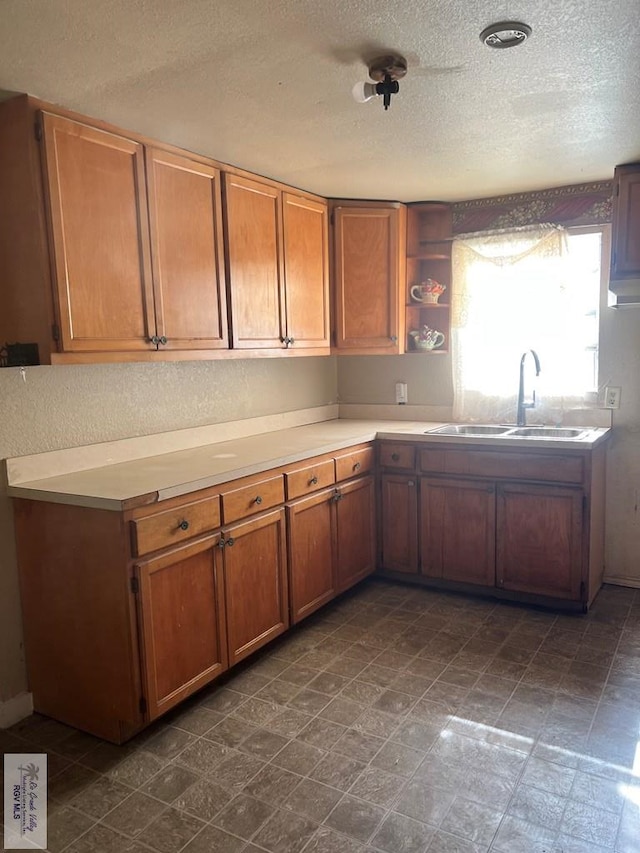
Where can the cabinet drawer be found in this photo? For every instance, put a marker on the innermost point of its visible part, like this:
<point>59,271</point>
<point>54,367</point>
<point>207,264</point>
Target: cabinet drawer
<point>172,526</point>
<point>354,463</point>
<point>304,480</point>
<point>398,456</point>
<point>554,468</point>
<point>249,500</point>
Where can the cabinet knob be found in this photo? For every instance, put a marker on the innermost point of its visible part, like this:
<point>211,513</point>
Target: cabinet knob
<point>411,483</point>
<point>230,541</point>
<point>337,497</point>
<point>313,481</point>
<point>183,525</point>
<point>257,500</point>
<point>356,466</point>
<point>395,457</point>
<point>162,340</point>
<point>154,339</point>
<point>394,339</point>
<point>292,340</point>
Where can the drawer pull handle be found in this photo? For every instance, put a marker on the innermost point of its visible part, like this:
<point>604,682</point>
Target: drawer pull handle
<point>313,481</point>
<point>258,500</point>
<point>356,466</point>
<point>183,525</point>
<point>395,457</point>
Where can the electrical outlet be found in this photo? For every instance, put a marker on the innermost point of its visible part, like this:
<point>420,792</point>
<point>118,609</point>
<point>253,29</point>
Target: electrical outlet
<point>401,393</point>
<point>612,397</point>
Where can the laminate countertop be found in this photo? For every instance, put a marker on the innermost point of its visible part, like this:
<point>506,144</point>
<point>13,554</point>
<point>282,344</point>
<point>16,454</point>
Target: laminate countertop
<point>154,478</point>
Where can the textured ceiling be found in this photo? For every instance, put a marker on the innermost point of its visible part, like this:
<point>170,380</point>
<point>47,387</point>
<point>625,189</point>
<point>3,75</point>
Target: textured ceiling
<point>267,86</point>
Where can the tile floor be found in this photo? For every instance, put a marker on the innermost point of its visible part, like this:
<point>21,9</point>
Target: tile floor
<point>397,720</point>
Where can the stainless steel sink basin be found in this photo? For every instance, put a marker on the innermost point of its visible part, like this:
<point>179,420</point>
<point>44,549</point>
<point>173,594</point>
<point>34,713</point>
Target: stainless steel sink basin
<point>468,429</point>
<point>547,432</point>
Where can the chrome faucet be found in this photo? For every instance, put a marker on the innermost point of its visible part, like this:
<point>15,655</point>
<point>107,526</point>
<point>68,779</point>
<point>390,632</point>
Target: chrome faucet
<point>521,419</point>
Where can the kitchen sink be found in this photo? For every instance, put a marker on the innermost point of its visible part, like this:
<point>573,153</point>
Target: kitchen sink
<point>547,432</point>
<point>468,429</point>
<point>507,431</point>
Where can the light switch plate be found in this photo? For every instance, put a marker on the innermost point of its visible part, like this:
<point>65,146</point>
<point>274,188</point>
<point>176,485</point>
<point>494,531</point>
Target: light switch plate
<point>402,396</point>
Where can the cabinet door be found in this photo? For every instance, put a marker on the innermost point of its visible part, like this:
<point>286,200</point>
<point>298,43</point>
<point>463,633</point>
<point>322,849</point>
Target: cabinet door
<point>100,237</point>
<point>399,523</point>
<point>255,565</point>
<point>369,250</point>
<point>458,530</point>
<point>355,532</point>
<point>539,540</point>
<point>311,549</point>
<point>182,618</point>
<point>254,262</point>
<point>625,255</point>
<point>186,251</point>
<point>306,271</point>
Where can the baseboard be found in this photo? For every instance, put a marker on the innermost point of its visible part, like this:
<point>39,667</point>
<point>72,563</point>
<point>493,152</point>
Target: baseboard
<point>616,580</point>
<point>15,709</point>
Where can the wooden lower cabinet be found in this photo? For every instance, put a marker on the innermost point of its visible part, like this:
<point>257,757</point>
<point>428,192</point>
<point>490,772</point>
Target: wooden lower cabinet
<point>355,532</point>
<point>255,577</point>
<point>182,622</point>
<point>311,548</point>
<point>399,513</point>
<point>331,543</point>
<point>458,530</point>
<point>539,540</point>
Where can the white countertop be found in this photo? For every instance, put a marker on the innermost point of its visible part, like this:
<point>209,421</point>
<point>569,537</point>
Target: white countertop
<point>167,475</point>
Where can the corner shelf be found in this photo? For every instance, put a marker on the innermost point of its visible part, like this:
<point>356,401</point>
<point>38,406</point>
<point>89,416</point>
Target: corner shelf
<point>429,243</point>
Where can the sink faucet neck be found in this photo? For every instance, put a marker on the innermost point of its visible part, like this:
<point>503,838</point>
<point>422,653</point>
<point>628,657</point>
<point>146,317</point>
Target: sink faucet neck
<point>521,418</point>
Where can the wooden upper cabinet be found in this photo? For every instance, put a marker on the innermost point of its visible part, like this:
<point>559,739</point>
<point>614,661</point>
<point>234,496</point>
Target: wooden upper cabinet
<point>253,228</point>
<point>370,263</point>
<point>277,258</point>
<point>625,254</point>
<point>306,261</point>
<point>100,234</point>
<point>185,218</point>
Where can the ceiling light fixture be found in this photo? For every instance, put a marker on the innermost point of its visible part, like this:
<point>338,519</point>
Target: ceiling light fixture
<point>505,34</point>
<point>385,71</point>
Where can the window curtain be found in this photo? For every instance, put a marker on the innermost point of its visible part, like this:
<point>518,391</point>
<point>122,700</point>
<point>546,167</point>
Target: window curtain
<point>509,295</point>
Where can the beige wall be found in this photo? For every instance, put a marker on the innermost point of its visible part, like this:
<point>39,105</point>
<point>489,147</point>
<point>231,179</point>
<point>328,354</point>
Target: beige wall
<point>60,407</point>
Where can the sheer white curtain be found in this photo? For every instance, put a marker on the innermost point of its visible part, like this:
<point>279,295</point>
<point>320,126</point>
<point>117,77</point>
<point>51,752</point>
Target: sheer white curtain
<point>510,295</point>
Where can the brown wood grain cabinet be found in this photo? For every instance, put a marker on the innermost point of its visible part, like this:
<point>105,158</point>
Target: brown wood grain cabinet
<point>255,573</point>
<point>185,218</point>
<point>355,526</point>
<point>331,531</point>
<point>128,612</point>
<point>181,612</point>
<point>137,250</point>
<point>312,552</point>
<point>277,251</point>
<point>625,249</point>
<point>112,248</point>
<point>458,530</point>
<point>540,540</point>
<point>369,262</point>
<point>399,523</point>
<point>522,524</point>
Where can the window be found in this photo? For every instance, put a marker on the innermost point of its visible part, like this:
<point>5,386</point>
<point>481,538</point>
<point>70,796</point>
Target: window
<point>528,289</point>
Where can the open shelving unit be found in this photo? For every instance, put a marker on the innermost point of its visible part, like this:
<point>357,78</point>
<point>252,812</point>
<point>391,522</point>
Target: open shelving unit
<point>429,241</point>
